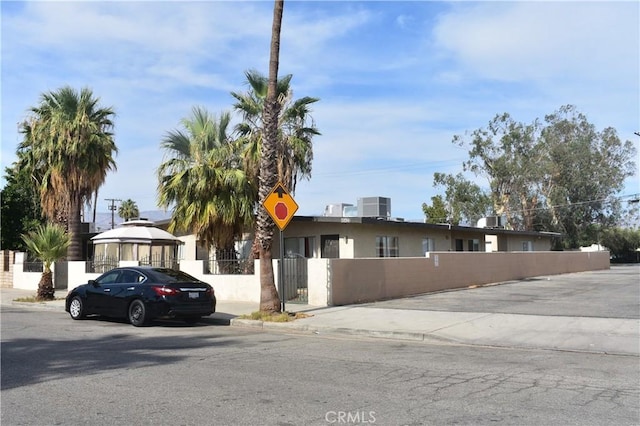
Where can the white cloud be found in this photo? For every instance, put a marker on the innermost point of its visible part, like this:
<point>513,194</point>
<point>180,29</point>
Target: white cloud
<point>543,40</point>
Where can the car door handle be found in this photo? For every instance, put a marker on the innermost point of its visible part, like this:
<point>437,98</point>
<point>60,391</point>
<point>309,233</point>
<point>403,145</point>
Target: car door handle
<point>107,289</point>
<point>131,288</point>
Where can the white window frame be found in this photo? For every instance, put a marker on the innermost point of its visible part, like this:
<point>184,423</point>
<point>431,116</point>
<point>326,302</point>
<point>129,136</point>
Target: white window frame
<point>428,245</point>
<point>387,246</point>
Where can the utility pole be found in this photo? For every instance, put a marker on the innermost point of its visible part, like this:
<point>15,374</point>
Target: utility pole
<point>112,207</point>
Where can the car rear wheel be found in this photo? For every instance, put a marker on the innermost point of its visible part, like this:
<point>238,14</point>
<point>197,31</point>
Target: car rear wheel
<point>137,313</point>
<point>192,320</point>
<point>76,308</point>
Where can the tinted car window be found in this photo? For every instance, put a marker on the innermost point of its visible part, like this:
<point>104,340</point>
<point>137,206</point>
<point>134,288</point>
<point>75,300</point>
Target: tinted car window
<point>109,277</point>
<point>166,275</point>
<point>130,277</point>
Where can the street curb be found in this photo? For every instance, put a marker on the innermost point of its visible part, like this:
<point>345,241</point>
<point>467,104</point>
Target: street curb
<point>400,336</point>
<point>305,328</point>
<point>38,305</point>
<point>245,323</point>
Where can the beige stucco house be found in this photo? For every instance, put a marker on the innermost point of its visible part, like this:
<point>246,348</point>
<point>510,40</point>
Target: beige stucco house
<point>370,237</point>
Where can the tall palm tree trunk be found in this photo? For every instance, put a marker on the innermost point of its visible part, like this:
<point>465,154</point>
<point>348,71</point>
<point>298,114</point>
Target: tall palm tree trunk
<point>75,248</point>
<point>269,300</point>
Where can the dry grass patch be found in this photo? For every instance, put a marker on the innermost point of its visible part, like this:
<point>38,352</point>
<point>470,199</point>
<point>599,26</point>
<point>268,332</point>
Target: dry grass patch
<point>277,317</point>
<point>32,299</point>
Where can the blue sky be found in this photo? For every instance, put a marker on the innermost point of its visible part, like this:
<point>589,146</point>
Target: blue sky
<point>397,80</point>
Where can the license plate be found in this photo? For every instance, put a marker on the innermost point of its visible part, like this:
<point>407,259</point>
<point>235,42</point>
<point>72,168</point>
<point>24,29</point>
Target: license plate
<point>193,295</point>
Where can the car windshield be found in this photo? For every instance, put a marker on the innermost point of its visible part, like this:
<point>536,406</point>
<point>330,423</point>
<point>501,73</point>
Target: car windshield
<point>166,275</point>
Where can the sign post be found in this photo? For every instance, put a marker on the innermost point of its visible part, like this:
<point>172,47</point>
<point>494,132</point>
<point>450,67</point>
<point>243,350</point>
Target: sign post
<point>281,207</point>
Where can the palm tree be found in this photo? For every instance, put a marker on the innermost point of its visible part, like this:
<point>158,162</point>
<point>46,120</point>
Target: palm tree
<point>202,179</point>
<point>294,134</point>
<point>47,243</point>
<point>296,129</point>
<point>128,210</point>
<point>269,300</point>
<point>68,148</point>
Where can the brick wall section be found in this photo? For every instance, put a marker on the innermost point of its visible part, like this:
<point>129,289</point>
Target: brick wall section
<point>6,268</point>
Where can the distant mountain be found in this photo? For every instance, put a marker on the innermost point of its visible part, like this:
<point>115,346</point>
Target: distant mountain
<point>103,220</point>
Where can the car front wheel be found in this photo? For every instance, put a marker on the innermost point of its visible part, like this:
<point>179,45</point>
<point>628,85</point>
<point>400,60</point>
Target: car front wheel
<point>76,308</point>
<point>137,313</point>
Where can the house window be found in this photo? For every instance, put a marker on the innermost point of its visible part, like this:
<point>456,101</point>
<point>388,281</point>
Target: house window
<point>474,245</point>
<point>330,246</point>
<point>202,250</point>
<point>387,246</point>
<point>459,245</point>
<point>299,247</point>
<point>527,246</point>
<point>428,244</point>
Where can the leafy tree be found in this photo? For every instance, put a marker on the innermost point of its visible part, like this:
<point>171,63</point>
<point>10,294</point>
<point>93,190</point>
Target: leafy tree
<point>436,212</point>
<point>586,169</point>
<point>465,201</point>
<point>506,154</point>
<point>202,180</point>
<point>20,208</point>
<point>47,243</point>
<point>622,243</point>
<point>128,210</point>
<point>268,177</point>
<point>560,175</point>
<point>68,148</point>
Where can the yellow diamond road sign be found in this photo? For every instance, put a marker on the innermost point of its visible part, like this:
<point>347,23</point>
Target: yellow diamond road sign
<point>280,205</point>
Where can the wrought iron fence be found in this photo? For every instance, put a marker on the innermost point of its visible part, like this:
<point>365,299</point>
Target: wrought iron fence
<point>229,262</point>
<point>101,264</point>
<point>32,266</point>
<point>159,261</point>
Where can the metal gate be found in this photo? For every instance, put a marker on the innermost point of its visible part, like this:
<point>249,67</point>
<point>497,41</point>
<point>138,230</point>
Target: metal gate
<point>294,274</point>
<point>61,276</point>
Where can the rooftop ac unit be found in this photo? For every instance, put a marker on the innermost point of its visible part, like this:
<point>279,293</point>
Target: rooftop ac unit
<point>495,222</point>
<point>492,221</point>
<point>374,207</point>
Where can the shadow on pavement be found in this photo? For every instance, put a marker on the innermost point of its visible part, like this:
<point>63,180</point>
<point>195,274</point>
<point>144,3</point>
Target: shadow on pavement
<point>28,361</point>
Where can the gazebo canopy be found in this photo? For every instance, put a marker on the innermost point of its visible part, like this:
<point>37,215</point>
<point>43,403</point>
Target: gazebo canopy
<point>136,231</point>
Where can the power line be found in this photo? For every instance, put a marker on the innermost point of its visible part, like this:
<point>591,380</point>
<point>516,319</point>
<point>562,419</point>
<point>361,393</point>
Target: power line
<point>113,208</point>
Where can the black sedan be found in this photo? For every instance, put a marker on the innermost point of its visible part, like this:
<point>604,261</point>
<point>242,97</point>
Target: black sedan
<point>141,294</point>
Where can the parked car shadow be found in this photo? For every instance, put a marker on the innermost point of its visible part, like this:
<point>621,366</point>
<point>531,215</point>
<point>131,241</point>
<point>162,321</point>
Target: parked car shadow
<point>217,319</point>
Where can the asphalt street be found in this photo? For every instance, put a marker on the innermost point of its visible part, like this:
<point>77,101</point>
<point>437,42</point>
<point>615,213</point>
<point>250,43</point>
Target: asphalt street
<point>56,371</point>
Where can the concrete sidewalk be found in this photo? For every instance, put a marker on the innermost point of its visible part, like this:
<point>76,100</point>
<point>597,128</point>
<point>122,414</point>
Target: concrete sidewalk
<point>567,333</point>
<point>598,335</point>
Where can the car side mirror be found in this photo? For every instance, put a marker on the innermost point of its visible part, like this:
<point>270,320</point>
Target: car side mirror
<point>94,283</point>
